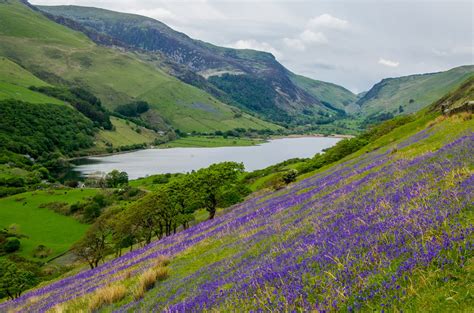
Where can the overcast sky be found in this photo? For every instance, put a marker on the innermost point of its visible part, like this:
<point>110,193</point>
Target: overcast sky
<point>352,43</point>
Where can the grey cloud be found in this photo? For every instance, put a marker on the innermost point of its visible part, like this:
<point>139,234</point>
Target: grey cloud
<point>348,37</point>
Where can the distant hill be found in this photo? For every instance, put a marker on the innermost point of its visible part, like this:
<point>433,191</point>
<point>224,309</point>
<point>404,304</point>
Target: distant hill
<point>252,80</point>
<point>409,94</point>
<point>60,56</point>
<point>331,95</point>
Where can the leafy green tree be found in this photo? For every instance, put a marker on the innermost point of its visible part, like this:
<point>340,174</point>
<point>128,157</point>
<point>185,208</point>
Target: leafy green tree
<point>91,212</point>
<point>140,220</point>
<point>210,183</point>
<point>182,196</point>
<point>14,280</point>
<point>290,176</point>
<point>116,179</point>
<point>94,246</point>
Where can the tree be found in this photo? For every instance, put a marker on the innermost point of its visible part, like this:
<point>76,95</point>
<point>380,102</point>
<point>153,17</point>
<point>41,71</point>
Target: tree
<point>182,196</point>
<point>290,176</point>
<point>94,246</point>
<point>14,280</point>
<point>140,220</point>
<point>211,182</point>
<point>116,179</point>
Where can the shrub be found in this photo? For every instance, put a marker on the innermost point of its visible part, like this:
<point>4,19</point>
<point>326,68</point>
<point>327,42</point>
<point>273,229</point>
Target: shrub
<point>11,245</point>
<point>71,183</point>
<point>75,207</point>
<point>15,182</point>
<point>91,212</point>
<point>42,252</point>
<point>58,207</point>
<point>289,176</point>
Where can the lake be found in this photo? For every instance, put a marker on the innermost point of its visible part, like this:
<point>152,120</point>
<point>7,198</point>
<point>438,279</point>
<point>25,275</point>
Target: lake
<point>146,162</point>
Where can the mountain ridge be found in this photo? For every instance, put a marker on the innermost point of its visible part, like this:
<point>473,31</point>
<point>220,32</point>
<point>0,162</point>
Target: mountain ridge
<point>411,92</point>
<point>61,56</point>
<point>209,60</point>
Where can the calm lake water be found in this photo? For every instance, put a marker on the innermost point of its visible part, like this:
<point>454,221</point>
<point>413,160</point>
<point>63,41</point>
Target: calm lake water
<point>159,161</point>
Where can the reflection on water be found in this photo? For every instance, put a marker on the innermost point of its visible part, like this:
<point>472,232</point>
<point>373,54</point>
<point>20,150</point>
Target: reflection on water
<point>157,161</point>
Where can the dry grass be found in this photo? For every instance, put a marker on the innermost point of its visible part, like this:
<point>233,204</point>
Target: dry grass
<point>161,273</point>
<point>127,275</point>
<point>58,308</point>
<point>148,279</point>
<point>162,260</point>
<point>107,295</point>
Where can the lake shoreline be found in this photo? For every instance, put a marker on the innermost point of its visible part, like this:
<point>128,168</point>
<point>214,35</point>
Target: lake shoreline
<point>262,141</point>
<point>145,162</point>
<point>313,135</point>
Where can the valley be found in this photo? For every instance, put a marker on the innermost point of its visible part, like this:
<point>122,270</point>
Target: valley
<point>144,170</point>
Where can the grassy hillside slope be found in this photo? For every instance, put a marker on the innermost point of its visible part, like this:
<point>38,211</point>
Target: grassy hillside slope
<point>41,225</point>
<point>331,94</point>
<point>124,134</point>
<point>14,83</point>
<point>60,55</point>
<point>389,227</point>
<point>412,92</point>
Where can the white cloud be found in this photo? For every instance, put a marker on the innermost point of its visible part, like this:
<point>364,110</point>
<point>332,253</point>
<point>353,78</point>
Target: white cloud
<point>255,45</point>
<point>160,14</point>
<point>327,21</point>
<point>439,53</point>
<point>294,43</point>
<point>388,63</point>
<point>309,36</point>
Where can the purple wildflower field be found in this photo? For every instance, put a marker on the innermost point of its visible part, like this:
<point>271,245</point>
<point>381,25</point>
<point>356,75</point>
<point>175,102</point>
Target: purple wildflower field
<point>342,238</point>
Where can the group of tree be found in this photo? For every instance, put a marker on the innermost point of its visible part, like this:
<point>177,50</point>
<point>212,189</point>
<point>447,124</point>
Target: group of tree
<point>162,212</point>
<point>14,279</point>
<point>133,109</point>
<point>84,101</point>
<point>36,138</point>
<point>37,129</point>
<point>113,179</point>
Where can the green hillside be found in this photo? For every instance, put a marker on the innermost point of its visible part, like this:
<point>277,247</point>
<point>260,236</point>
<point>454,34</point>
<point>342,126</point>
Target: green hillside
<point>41,225</point>
<point>61,56</point>
<point>411,93</point>
<point>330,94</point>
<point>386,228</point>
<point>124,133</point>
<point>14,83</point>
